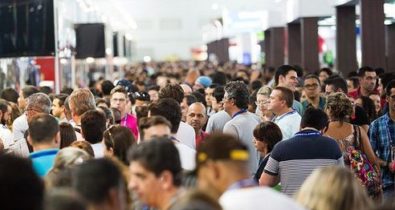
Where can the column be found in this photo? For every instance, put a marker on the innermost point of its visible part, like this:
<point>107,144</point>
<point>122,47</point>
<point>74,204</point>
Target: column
<point>277,46</point>
<point>309,29</point>
<point>390,47</point>
<point>294,44</point>
<point>268,49</point>
<point>372,33</point>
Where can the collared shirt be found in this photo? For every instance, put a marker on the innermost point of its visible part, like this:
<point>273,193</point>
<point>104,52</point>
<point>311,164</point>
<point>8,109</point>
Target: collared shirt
<point>130,121</point>
<point>43,161</point>
<point>321,104</point>
<point>382,137</point>
<point>200,138</point>
<point>289,123</point>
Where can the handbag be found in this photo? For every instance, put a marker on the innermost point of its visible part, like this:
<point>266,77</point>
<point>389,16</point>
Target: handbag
<point>361,166</point>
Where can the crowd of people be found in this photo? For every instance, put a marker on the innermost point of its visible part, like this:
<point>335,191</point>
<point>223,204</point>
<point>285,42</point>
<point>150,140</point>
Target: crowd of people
<point>202,136</point>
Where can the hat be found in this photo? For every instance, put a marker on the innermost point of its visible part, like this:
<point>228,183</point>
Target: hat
<point>129,87</point>
<point>221,147</point>
<point>204,80</point>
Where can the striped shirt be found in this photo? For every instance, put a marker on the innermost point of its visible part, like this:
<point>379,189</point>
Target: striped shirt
<point>295,159</point>
<point>382,138</point>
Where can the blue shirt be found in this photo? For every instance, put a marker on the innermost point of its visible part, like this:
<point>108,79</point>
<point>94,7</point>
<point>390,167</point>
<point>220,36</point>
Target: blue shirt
<point>382,137</point>
<point>43,161</point>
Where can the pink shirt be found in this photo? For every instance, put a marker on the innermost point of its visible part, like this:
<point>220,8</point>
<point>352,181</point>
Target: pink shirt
<point>130,121</point>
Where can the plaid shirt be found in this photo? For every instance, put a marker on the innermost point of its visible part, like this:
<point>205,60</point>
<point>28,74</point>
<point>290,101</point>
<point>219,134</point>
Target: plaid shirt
<point>382,137</point>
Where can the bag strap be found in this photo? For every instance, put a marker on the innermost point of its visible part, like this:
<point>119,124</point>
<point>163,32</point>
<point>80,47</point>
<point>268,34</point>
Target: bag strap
<point>357,135</point>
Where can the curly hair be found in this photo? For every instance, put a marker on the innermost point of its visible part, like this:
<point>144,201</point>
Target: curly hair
<point>238,91</point>
<point>340,106</point>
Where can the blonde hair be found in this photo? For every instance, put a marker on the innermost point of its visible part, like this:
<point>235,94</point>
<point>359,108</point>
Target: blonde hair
<point>81,100</point>
<point>332,188</point>
<point>265,90</point>
<point>340,106</point>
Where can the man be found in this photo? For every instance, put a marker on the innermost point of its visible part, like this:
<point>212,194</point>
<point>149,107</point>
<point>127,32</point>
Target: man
<point>101,184</point>
<point>20,187</point>
<point>218,120</point>
<point>312,89</point>
<point>155,173</point>
<point>24,94</point>
<point>281,105</point>
<point>58,108</point>
<point>80,101</point>
<point>202,82</point>
<point>287,76</point>
<point>120,100</point>
<point>243,122</point>
<point>367,81</point>
<point>208,96</point>
<point>5,133</point>
<point>292,161</point>
<point>93,125</point>
<point>36,104</point>
<point>337,84</point>
<point>382,139</point>
<point>168,109</point>
<point>352,84</point>
<point>223,172</point>
<point>197,118</point>
<point>45,139</point>
<point>185,133</point>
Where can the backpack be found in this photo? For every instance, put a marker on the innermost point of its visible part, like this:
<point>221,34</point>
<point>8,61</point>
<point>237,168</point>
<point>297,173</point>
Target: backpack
<point>362,168</point>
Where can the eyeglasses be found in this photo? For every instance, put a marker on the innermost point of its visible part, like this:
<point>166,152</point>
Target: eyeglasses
<point>311,86</point>
<point>263,102</point>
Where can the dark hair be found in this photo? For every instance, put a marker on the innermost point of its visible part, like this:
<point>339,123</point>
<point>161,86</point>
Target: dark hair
<point>369,107</point>
<point>326,70</point>
<point>147,122</point>
<point>120,139</point>
<point>361,71</point>
<point>355,81</point>
<point>315,118</point>
<point>106,87</point>
<point>157,156</point>
<point>43,128</point>
<point>21,188</point>
<point>84,145</point>
<point>219,93</point>
<point>256,84</point>
<point>238,91</point>
<point>10,95</point>
<point>173,91</point>
<point>94,179</point>
<point>312,76</point>
<point>153,87</point>
<point>337,82</point>
<point>63,199</point>
<point>195,200</point>
<point>28,91</point>
<point>169,109</point>
<point>286,94</point>
<point>142,96</point>
<point>283,71</point>
<point>199,97</point>
<point>116,115</point>
<point>388,88</point>
<point>269,133</point>
<point>61,97</point>
<point>99,101</point>
<point>45,89</point>
<point>67,134</point>
<point>93,124</point>
<point>190,99</point>
<point>218,77</point>
<point>67,90</point>
<point>3,106</point>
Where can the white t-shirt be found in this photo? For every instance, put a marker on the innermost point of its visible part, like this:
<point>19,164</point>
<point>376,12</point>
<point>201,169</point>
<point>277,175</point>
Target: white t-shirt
<point>187,156</point>
<point>98,150</point>
<point>19,127</point>
<point>217,122</point>
<point>186,135</point>
<point>289,123</point>
<point>257,198</point>
<point>6,136</point>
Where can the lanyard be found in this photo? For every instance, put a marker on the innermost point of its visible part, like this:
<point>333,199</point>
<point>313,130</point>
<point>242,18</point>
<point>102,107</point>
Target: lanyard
<point>239,112</point>
<point>282,116</point>
<point>306,133</point>
<point>244,183</point>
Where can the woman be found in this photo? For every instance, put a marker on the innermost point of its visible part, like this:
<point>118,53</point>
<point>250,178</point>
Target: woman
<point>262,101</point>
<point>67,134</point>
<point>339,108</point>
<point>266,135</point>
<point>368,105</point>
<point>333,188</point>
<point>117,140</point>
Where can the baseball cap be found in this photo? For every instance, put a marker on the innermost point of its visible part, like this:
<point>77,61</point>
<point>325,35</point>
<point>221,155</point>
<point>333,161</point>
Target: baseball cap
<point>204,80</point>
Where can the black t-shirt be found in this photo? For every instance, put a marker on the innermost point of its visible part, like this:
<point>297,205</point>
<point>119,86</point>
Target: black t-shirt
<point>360,117</point>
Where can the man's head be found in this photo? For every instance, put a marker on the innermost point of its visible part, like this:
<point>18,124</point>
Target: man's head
<point>24,94</point>
<point>236,96</point>
<point>202,82</point>
<point>44,130</point>
<point>221,160</point>
<point>286,76</point>
<point>153,93</point>
<point>21,188</point>
<point>155,171</point>
<point>154,127</point>
<point>169,109</point>
<point>196,116</point>
<point>80,101</point>
<point>93,125</point>
<point>36,104</point>
<point>58,105</point>
<point>10,94</point>
<point>335,84</point>
<point>106,87</point>
<point>312,86</point>
<point>209,94</point>
<point>5,111</point>
<point>100,183</point>
<point>367,78</point>
<point>390,93</point>
<point>173,91</point>
<point>217,98</point>
<point>314,118</point>
<point>352,83</point>
<point>281,99</point>
<point>120,99</point>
